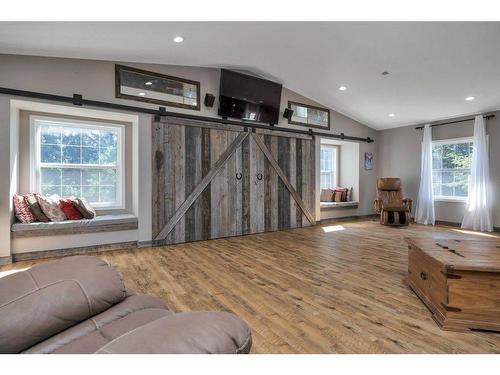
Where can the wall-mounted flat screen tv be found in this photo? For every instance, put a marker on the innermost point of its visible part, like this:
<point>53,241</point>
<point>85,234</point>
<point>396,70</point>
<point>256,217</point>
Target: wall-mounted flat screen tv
<point>249,98</point>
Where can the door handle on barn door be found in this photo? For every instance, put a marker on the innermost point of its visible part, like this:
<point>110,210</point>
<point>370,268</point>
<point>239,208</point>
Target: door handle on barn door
<point>260,176</point>
<point>159,159</point>
<point>239,176</point>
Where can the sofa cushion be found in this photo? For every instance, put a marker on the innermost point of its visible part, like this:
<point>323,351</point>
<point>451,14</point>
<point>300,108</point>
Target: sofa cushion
<point>99,220</point>
<point>22,210</point>
<point>92,334</point>
<point>326,195</point>
<point>51,297</point>
<point>197,332</point>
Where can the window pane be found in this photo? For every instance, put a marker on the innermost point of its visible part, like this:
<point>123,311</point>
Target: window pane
<point>90,138</point>
<point>108,138</point>
<point>51,176</point>
<point>71,155</point>
<point>107,194</point>
<point>108,177</point>
<point>90,155</point>
<point>50,154</point>
<point>71,176</point>
<point>90,193</point>
<point>50,134</point>
<point>71,137</point>
<point>107,155</point>
<point>461,184</point>
<point>49,190</point>
<point>447,184</point>
<point>71,191</point>
<point>90,177</point>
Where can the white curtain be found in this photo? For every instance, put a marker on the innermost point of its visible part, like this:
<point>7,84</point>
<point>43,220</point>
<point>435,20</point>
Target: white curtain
<point>478,213</point>
<point>424,212</point>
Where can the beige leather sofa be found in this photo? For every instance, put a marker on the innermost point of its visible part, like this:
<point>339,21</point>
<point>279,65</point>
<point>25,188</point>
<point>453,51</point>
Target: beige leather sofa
<point>80,305</point>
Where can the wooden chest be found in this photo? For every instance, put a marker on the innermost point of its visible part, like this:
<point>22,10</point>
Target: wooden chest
<point>458,280</point>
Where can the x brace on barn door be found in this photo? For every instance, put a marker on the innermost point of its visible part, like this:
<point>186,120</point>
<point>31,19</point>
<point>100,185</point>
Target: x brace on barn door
<point>181,211</point>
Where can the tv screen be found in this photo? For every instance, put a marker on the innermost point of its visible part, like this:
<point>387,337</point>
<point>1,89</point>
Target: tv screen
<point>249,98</point>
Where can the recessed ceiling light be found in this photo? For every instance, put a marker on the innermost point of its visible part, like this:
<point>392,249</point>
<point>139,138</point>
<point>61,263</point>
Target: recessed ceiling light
<point>178,39</point>
<point>470,98</point>
<point>391,115</point>
<point>342,88</point>
<point>385,73</point>
<point>142,94</point>
<point>148,83</point>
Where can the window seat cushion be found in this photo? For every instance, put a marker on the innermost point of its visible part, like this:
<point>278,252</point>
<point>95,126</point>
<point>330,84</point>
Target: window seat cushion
<point>326,205</point>
<point>102,223</point>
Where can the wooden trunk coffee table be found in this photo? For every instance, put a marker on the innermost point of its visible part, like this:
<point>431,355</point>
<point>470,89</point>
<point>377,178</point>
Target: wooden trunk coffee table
<point>458,280</point>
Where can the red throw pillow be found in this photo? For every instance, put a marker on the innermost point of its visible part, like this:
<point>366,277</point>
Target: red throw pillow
<point>22,210</point>
<point>66,205</point>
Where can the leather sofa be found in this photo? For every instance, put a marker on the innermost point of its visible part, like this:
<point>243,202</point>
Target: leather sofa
<point>393,209</point>
<point>81,305</point>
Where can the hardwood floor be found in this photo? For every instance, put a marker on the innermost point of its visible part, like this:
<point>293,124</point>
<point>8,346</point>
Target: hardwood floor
<point>327,289</point>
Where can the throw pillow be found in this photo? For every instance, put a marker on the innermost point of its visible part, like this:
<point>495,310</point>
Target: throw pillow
<point>338,196</point>
<point>69,210</point>
<point>326,195</point>
<point>342,194</point>
<point>349,194</point>
<point>22,210</point>
<point>50,207</point>
<point>84,208</point>
<point>35,208</point>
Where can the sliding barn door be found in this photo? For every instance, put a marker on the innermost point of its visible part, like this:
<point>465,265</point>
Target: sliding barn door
<point>212,180</point>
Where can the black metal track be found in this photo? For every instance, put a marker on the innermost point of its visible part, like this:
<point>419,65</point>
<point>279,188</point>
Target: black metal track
<point>80,101</point>
<point>487,117</point>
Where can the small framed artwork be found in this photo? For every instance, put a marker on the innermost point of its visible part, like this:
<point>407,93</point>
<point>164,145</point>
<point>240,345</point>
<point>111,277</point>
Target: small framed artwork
<point>368,161</point>
<point>309,116</point>
<point>150,87</point>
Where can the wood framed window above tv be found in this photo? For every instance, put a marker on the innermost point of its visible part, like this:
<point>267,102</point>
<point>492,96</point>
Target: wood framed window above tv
<point>151,87</point>
<point>309,116</point>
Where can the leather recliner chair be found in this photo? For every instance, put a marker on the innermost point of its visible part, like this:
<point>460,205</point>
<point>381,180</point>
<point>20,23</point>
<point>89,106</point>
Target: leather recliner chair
<point>393,209</point>
<point>80,305</point>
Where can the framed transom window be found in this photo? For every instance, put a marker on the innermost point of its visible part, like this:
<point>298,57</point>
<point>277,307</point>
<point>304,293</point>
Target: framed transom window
<point>309,116</point>
<point>78,158</point>
<point>451,166</point>
<point>328,167</point>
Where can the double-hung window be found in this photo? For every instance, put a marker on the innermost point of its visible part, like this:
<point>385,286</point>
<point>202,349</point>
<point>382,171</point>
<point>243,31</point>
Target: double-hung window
<point>78,158</point>
<point>328,167</point>
<point>451,164</point>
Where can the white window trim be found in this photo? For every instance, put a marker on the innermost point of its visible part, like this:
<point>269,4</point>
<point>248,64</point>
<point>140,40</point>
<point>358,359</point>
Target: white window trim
<point>337,156</point>
<point>443,198</point>
<point>35,180</point>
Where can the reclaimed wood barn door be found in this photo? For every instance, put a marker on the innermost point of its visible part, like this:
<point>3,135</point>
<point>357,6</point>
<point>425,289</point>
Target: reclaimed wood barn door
<point>212,180</point>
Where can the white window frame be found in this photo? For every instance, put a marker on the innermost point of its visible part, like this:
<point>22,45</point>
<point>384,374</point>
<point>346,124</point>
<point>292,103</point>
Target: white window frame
<point>443,198</point>
<point>35,147</point>
<point>336,164</point>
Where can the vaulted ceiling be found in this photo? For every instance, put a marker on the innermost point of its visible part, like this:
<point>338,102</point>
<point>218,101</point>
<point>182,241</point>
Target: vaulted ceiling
<point>432,67</point>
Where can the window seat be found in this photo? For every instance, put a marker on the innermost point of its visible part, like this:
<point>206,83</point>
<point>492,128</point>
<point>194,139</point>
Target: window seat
<point>102,223</point>
<point>331,205</point>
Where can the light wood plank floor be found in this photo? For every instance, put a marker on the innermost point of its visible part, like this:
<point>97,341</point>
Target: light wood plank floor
<point>335,288</point>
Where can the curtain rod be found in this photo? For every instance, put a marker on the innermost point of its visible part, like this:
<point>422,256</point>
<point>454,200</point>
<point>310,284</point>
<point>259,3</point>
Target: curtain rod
<point>78,100</point>
<point>487,117</point>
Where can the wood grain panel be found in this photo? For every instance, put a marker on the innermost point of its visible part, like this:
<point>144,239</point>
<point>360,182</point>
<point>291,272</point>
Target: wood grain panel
<point>257,182</point>
<point>271,187</point>
<point>283,193</point>
<point>245,182</point>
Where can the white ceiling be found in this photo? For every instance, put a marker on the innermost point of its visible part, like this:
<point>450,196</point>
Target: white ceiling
<point>433,66</point>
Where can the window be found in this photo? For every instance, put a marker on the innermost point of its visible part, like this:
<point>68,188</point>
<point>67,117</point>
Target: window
<point>309,116</point>
<point>76,158</point>
<point>451,162</point>
<point>328,167</point>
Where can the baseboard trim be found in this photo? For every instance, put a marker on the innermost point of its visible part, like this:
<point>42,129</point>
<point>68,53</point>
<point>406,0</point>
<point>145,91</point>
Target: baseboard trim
<point>458,225</point>
<point>5,260</point>
<point>72,251</point>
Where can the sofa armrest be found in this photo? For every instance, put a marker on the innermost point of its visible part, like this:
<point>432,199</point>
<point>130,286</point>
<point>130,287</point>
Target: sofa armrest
<point>198,332</point>
<point>377,205</point>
